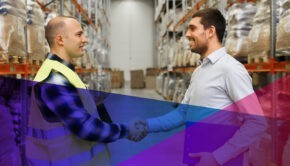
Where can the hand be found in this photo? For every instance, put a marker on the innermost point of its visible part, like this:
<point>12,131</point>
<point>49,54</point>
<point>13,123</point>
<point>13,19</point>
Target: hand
<point>205,159</point>
<point>138,129</point>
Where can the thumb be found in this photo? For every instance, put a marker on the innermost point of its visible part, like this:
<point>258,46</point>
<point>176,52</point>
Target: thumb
<point>195,155</point>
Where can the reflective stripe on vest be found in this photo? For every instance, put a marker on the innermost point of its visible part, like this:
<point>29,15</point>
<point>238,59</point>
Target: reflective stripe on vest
<point>52,143</point>
<point>95,160</point>
<point>48,134</point>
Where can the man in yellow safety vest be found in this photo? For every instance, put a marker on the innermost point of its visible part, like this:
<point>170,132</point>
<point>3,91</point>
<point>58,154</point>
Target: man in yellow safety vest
<point>64,127</point>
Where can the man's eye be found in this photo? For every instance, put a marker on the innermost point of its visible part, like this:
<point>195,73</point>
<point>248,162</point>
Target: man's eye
<point>190,28</point>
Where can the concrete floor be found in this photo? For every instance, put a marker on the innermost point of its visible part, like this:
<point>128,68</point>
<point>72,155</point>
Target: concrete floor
<point>145,93</point>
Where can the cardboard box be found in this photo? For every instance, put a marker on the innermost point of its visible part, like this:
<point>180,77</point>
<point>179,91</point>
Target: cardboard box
<point>117,79</point>
<point>150,82</point>
<point>152,72</point>
<point>137,79</point>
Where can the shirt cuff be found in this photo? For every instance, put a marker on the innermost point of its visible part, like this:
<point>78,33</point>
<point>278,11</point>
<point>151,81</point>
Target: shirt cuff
<point>152,125</point>
<point>124,130</point>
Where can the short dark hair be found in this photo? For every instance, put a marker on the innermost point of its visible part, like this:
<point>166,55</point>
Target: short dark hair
<point>53,27</point>
<point>212,17</point>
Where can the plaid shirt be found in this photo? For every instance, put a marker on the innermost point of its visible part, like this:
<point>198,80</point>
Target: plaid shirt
<point>63,104</point>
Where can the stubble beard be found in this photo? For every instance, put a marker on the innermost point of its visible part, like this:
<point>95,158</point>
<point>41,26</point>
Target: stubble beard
<point>200,50</point>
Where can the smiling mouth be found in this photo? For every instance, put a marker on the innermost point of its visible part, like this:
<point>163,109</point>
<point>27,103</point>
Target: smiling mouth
<point>82,49</point>
<point>191,40</point>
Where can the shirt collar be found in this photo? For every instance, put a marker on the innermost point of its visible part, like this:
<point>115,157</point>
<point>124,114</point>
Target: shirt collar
<point>215,56</point>
<point>57,58</point>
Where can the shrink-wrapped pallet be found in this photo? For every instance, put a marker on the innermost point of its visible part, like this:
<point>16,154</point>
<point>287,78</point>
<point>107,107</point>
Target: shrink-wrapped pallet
<point>178,55</point>
<point>186,58</point>
<point>34,13</point>
<point>35,32</point>
<point>171,55</point>
<point>36,42</point>
<point>179,91</point>
<point>12,34</point>
<point>194,60</point>
<point>171,88</point>
<point>14,7</point>
<point>86,61</point>
<point>259,36</point>
<point>240,23</point>
<point>283,31</point>
<point>283,36</point>
<point>12,37</point>
<point>259,41</point>
<point>165,86</point>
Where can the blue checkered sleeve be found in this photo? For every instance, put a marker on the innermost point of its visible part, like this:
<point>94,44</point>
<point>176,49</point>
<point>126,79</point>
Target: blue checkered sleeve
<point>62,103</point>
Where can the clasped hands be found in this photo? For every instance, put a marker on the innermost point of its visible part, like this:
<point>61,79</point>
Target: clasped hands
<point>138,129</point>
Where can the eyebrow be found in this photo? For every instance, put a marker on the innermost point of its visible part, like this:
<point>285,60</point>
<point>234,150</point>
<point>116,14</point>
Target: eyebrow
<point>80,31</point>
<point>191,26</point>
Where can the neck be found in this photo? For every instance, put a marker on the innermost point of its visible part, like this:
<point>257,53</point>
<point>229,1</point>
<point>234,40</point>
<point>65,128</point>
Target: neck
<point>60,53</point>
<point>211,49</point>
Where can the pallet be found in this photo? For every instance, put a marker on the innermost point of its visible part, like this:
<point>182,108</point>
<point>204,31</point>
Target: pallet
<point>22,60</point>
<point>4,59</point>
<point>264,59</point>
<point>35,62</point>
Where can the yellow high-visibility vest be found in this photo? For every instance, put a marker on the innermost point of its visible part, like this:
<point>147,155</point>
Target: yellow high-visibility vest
<point>51,143</point>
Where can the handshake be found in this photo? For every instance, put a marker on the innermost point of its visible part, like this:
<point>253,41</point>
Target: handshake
<point>138,129</point>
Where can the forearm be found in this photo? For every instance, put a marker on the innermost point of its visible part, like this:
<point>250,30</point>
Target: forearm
<point>252,130</point>
<point>168,121</point>
<point>69,109</point>
<point>97,130</point>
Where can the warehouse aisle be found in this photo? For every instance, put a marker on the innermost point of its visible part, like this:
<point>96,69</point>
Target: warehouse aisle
<point>145,93</point>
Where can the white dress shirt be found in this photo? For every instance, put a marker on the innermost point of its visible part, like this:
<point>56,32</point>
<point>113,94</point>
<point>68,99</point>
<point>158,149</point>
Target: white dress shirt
<point>220,82</point>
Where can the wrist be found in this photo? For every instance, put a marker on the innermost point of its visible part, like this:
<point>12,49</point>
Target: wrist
<point>124,130</point>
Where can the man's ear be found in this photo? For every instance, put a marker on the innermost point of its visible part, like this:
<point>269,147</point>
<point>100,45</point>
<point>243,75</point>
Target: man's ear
<point>211,31</point>
<point>59,40</point>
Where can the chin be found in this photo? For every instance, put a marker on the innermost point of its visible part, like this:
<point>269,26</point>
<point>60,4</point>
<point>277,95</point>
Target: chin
<point>194,51</point>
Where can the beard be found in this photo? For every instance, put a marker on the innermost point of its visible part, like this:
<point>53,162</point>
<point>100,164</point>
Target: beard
<point>200,50</point>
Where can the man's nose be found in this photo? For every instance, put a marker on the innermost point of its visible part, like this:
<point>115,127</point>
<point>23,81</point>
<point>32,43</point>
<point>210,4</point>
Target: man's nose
<point>187,34</point>
<point>85,40</point>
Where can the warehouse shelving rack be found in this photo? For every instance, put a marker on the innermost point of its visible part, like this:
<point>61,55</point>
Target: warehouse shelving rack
<point>23,70</point>
<point>272,66</point>
<point>26,69</point>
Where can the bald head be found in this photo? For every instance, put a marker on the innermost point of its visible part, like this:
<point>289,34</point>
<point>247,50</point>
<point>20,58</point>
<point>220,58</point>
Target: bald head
<point>56,26</point>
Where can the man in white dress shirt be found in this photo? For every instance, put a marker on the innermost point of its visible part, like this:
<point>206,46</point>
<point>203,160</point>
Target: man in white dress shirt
<point>220,82</point>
